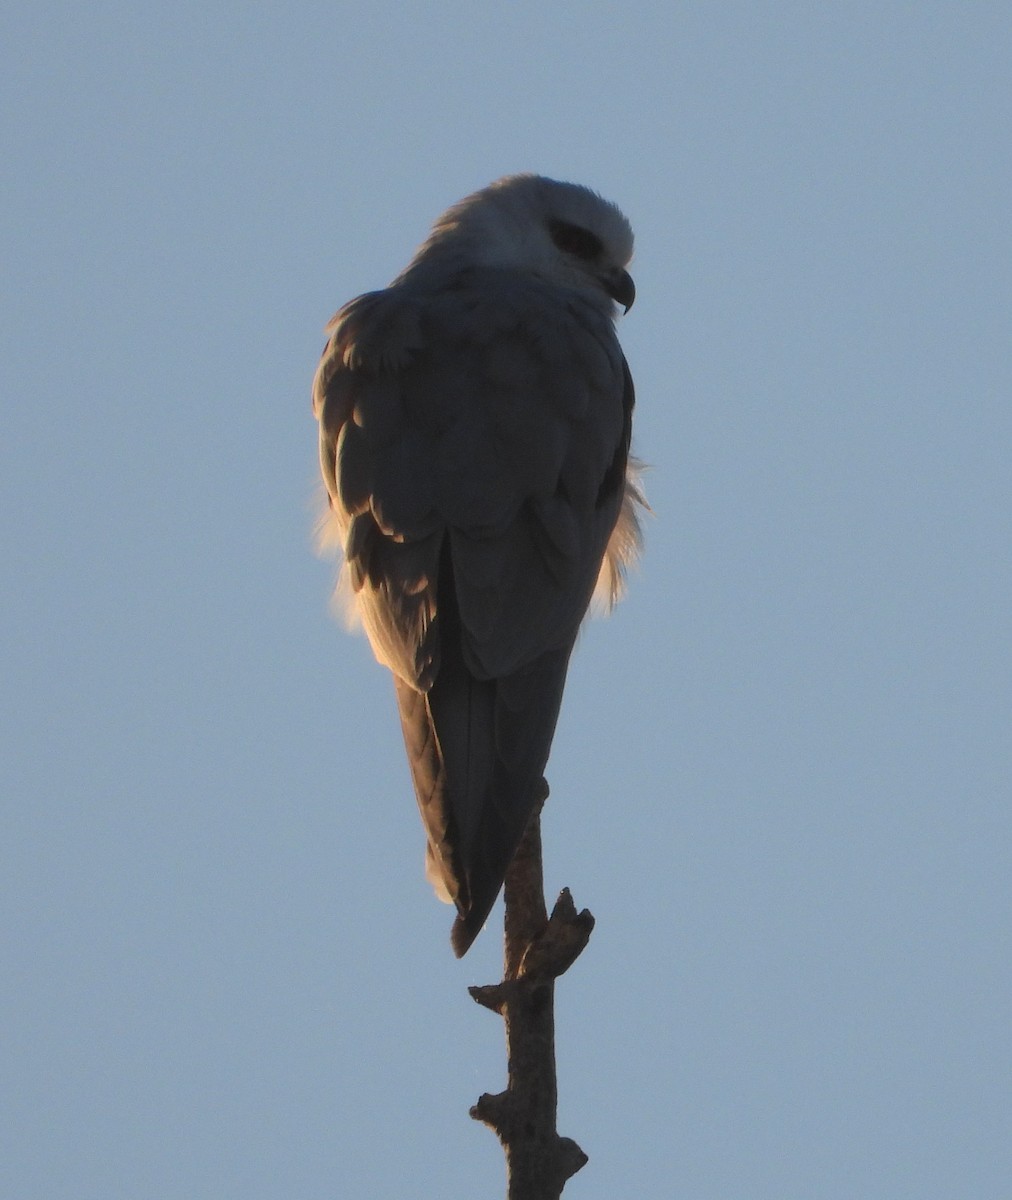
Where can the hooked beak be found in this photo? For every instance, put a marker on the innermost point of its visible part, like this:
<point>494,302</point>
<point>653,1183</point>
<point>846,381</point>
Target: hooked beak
<point>619,285</point>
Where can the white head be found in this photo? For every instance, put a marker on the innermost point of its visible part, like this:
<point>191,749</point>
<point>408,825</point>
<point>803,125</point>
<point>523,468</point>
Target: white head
<point>562,232</point>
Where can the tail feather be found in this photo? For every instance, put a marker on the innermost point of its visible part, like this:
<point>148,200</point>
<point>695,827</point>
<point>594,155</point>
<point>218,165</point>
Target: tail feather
<point>478,750</point>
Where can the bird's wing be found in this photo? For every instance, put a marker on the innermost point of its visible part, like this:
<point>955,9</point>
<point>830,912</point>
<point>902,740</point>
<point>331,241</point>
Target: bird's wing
<point>474,442</point>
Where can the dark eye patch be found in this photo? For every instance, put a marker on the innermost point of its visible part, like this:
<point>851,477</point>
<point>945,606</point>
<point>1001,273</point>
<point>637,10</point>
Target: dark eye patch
<point>575,240</point>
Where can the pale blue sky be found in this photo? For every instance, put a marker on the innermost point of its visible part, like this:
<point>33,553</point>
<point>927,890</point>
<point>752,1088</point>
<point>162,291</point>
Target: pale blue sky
<point>781,780</point>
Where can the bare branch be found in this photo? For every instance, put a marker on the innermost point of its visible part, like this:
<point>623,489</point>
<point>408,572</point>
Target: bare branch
<point>537,951</point>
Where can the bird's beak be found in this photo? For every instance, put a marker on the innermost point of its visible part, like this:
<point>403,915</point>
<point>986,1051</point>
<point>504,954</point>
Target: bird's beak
<point>619,285</point>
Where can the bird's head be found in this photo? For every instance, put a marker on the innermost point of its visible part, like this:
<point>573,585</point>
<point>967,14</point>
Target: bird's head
<point>561,232</point>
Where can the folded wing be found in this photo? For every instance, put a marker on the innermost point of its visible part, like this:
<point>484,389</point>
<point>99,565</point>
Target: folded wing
<point>474,444</point>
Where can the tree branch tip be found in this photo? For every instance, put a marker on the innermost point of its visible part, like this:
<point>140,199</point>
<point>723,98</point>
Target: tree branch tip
<point>489,995</point>
<point>565,909</point>
<point>561,943</point>
<point>565,906</point>
<point>571,1158</point>
<point>491,1109</point>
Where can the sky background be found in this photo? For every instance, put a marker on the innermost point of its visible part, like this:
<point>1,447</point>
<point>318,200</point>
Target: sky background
<point>781,779</point>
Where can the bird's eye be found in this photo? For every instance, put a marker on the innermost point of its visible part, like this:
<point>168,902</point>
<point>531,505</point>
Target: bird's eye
<point>575,240</point>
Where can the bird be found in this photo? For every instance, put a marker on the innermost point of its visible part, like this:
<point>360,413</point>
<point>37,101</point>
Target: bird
<point>475,421</point>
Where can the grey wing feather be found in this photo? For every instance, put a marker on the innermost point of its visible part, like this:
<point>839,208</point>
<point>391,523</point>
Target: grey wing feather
<point>474,443</point>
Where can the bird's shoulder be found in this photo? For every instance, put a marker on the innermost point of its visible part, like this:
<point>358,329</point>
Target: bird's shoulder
<point>479,307</point>
<point>487,349</point>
